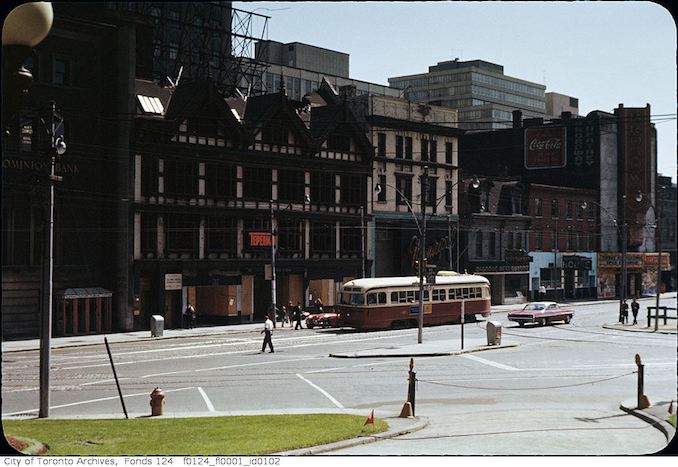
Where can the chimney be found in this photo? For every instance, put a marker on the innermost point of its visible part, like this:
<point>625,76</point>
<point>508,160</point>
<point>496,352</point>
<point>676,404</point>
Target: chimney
<point>517,118</point>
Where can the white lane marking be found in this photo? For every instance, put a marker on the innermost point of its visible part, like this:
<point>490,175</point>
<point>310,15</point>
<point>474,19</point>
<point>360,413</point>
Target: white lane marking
<point>322,391</point>
<point>94,400</point>
<point>324,370</point>
<point>240,365</point>
<point>488,362</point>
<point>81,384</point>
<point>217,354</point>
<point>208,403</point>
<point>21,390</point>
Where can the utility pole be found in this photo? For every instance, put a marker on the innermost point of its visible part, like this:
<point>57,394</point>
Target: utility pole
<point>57,148</point>
<point>48,275</point>
<point>658,235</point>
<point>555,258</point>
<point>449,241</point>
<point>422,256</point>
<point>625,227</point>
<point>362,238</point>
<point>273,292</point>
<point>458,226</point>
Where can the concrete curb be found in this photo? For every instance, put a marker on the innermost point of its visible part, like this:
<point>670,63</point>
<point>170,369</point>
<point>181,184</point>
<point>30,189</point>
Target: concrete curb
<point>424,354</point>
<point>419,423</point>
<point>646,330</point>
<point>662,425</point>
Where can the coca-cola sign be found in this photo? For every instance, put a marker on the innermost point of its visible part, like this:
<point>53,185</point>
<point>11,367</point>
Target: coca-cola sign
<point>545,147</point>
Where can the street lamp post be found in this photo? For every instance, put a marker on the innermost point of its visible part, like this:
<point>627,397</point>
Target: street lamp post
<point>658,241</point>
<point>621,234</point>
<point>449,241</point>
<point>273,291</point>
<point>421,228</point>
<point>272,233</point>
<point>422,250</point>
<point>24,28</point>
<point>362,239</point>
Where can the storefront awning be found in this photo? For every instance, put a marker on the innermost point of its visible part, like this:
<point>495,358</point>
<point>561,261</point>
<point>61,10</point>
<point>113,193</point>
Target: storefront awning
<point>89,292</point>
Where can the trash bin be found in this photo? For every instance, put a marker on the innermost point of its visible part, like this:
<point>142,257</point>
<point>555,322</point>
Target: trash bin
<point>493,333</point>
<point>157,325</point>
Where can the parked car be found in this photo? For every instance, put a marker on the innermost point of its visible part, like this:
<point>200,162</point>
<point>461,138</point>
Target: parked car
<point>326,319</point>
<point>541,313</point>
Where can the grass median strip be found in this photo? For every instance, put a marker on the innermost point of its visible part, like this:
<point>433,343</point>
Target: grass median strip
<point>237,435</point>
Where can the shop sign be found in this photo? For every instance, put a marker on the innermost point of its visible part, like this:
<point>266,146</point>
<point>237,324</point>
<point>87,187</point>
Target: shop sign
<point>259,239</point>
<point>502,268</point>
<point>173,281</point>
<point>651,260</point>
<point>545,147</point>
<point>577,262</point>
<point>614,260</point>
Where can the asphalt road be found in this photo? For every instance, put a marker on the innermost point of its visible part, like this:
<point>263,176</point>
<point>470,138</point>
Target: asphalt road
<point>556,392</point>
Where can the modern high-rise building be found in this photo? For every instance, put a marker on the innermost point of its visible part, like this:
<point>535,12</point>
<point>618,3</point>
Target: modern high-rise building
<point>484,96</point>
<point>303,67</point>
<point>308,57</point>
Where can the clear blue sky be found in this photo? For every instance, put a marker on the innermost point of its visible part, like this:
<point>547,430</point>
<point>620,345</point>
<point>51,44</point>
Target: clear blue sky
<point>603,53</point>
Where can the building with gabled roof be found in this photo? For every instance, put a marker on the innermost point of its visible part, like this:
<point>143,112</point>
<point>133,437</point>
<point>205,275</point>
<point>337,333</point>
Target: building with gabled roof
<point>211,184</point>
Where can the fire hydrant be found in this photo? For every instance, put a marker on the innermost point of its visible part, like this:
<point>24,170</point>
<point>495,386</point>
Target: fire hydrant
<point>157,402</point>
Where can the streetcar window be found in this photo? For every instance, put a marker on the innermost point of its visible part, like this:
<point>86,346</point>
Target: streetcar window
<point>452,294</point>
<point>371,298</point>
<point>394,297</point>
<point>381,298</point>
<point>352,299</point>
<point>426,297</point>
<point>464,292</point>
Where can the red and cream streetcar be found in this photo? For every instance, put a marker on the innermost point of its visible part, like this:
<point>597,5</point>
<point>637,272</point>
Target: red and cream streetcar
<point>385,302</point>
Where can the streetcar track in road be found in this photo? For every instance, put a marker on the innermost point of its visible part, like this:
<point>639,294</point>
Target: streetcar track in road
<point>553,338</point>
<point>320,341</point>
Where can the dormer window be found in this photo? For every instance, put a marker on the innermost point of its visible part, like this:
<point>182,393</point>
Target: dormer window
<point>274,134</point>
<point>150,104</point>
<point>339,142</point>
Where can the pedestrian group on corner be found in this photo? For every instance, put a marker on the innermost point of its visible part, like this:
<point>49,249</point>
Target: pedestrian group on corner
<point>624,312</point>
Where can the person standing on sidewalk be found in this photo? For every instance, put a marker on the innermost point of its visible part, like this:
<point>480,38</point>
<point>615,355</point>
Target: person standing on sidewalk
<point>297,316</point>
<point>189,316</point>
<point>635,306</point>
<point>268,329</point>
<point>283,316</point>
<point>624,312</point>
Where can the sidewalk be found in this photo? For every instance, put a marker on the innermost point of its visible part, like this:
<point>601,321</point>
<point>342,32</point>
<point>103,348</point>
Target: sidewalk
<point>670,328</point>
<point>655,415</point>
<point>75,341</point>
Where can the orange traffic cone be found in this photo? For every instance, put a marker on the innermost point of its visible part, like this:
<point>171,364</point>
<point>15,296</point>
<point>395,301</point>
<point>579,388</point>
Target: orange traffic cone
<point>370,419</point>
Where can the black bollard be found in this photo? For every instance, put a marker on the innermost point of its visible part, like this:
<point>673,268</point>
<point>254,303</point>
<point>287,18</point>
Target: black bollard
<point>411,386</point>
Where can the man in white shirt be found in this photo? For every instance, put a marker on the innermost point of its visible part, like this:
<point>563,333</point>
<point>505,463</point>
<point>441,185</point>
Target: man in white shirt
<point>268,328</point>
